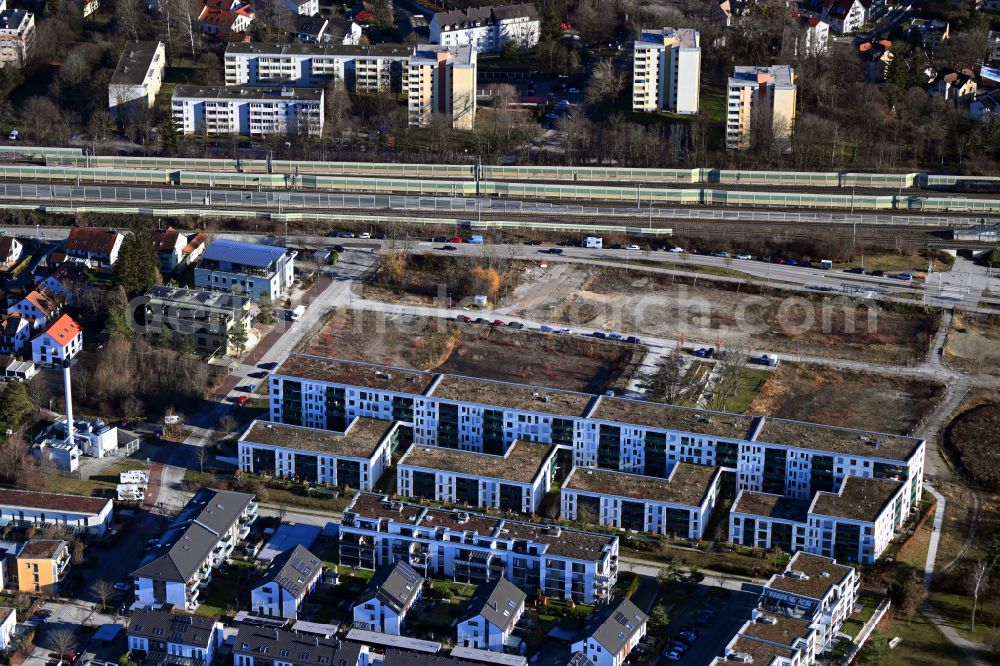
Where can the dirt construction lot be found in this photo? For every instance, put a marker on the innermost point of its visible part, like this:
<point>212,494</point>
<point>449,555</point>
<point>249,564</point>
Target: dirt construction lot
<point>849,399</point>
<point>705,312</point>
<point>974,343</point>
<point>555,361</point>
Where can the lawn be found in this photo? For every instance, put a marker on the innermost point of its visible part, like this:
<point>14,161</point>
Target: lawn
<point>854,623</point>
<point>922,644</point>
<point>681,265</point>
<point>751,382</point>
<point>957,609</point>
<point>104,484</point>
<point>713,102</point>
<point>227,592</point>
<point>749,562</point>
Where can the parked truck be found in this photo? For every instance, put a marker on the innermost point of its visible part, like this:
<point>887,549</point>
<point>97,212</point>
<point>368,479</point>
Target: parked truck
<point>593,242</point>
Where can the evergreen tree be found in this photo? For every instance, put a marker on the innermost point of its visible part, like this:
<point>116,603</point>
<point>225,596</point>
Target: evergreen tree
<point>895,78</point>
<point>185,344</point>
<point>137,268</point>
<point>876,651</point>
<point>238,338</point>
<point>15,406</point>
<point>266,310</point>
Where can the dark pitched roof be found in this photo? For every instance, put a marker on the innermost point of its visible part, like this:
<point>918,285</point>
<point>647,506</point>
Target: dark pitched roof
<point>164,240</point>
<point>294,570</point>
<point>165,625</point>
<point>396,586</point>
<point>6,245</point>
<point>496,601</point>
<point>194,533</point>
<point>395,657</point>
<point>613,626</point>
<point>274,644</point>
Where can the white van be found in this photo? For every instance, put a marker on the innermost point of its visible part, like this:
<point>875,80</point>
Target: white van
<point>298,312</point>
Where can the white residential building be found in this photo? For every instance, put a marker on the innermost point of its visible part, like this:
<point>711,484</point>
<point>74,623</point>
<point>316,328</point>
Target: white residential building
<point>198,541</point>
<point>680,505</point>
<point>289,579</point>
<point>611,634</point>
<point>246,268</point>
<point>86,515</point>
<point>391,594</point>
<point>517,480</point>
<point>855,524</point>
<point>355,457</point>
<point>60,342</point>
<point>93,247</point>
<point>490,616</point>
<point>375,68</point>
<point>17,37</point>
<point>474,548</point>
<point>248,111</point>
<point>8,626</point>
<point>768,455</point>
<point>488,29</point>
<point>138,77</point>
<point>162,635</point>
<point>761,105</point>
<point>15,331</point>
<point>10,252</point>
<point>666,71</point>
<point>810,37</point>
<point>38,307</point>
<point>303,7</point>
<point>844,16</point>
<point>258,645</point>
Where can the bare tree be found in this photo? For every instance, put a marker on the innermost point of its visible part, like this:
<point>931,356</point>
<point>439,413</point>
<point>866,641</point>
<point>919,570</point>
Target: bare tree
<point>202,457</point>
<point>978,581</point>
<point>729,371</point>
<point>62,641</point>
<point>129,16</point>
<point>674,379</point>
<point>227,424</point>
<point>103,589</point>
<point>606,84</point>
<point>131,409</point>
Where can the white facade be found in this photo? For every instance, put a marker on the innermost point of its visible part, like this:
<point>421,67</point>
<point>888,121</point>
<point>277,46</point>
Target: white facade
<point>610,642</point>
<point>565,564</point>
<point>666,71</point>
<point>246,268</point>
<point>247,111</point>
<point>60,342</point>
<point>163,632</point>
<point>138,77</point>
<point>488,29</point>
<point>303,7</point>
<point>15,331</point>
<point>37,308</point>
<point>17,37</point>
<point>12,250</point>
<point>361,68</point>
<point>8,625</point>
<point>495,608</point>
<point>89,515</point>
<point>377,616</point>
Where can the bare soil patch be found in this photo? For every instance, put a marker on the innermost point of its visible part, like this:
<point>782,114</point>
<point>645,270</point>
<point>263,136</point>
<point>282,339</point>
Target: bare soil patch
<point>974,438</point>
<point>974,343</point>
<point>703,311</point>
<point>843,398</point>
<point>425,343</point>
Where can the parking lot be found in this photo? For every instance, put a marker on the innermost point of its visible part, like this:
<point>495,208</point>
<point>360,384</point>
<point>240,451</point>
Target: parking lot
<point>714,629</point>
<point>70,616</point>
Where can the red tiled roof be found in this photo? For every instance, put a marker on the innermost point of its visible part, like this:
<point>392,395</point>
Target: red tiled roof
<point>197,240</point>
<point>64,330</point>
<point>6,246</point>
<point>89,239</point>
<point>52,501</point>
<point>43,300</point>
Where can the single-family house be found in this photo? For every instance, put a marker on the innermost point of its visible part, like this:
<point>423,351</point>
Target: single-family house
<point>169,245</point>
<point>8,624</point>
<point>15,331</point>
<point>290,578</point>
<point>10,252</point>
<point>95,248</point>
<point>491,615</point>
<point>39,307</point>
<point>388,598</point>
<point>60,342</point>
<point>611,634</point>
<point>43,566</point>
<point>958,87</point>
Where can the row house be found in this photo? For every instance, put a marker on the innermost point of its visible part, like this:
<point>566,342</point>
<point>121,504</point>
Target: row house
<point>488,29</point>
<point>39,306</point>
<point>198,541</point>
<point>489,618</point>
<point>759,454</point>
<point>165,636</point>
<point>855,524</point>
<point>611,634</point>
<point>515,481</point>
<point>355,458</point>
<point>93,247</point>
<point>290,578</point>
<point>679,505</point>
<point>474,548</point>
<point>388,598</point>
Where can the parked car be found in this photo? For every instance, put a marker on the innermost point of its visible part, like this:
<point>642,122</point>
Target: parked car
<point>673,656</point>
<point>876,273</point>
<point>13,135</point>
<point>515,324</point>
<point>701,352</point>
<point>676,250</point>
<point>544,328</point>
<point>242,400</point>
<point>251,388</point>
<point>449,248</point>
<point>600,335</point>
<point>440,239</point>
<point>122,586</point>
<point>689,635</point>
<point>615,336</point>
<point>566,330</point>
<point>347,234</point>
<point>744,256</point>
<point>791,262</point>
<point>555,250</point>
<point>465,319</point>
<point>857,270</point>
<point>480,320</point>
<point>632,340</point>
<point>338,248</point>
<point>333,234</point>
<point>902,276</point>
<point>456,239</point>
<point>723,255</point>
<point>365,235</point>
<point>42,614</point>
<point>498,322</point>
<point>632,247</point>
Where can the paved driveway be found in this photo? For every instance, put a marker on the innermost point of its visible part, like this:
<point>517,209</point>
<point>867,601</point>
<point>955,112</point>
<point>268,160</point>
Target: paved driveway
<point>70,616</point>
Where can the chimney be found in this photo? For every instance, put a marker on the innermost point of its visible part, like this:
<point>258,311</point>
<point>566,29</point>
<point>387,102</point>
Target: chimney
<point>69,399</point>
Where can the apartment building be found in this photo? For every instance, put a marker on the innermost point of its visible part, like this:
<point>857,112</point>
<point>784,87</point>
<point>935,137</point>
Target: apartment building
<point>489,618</point>
<point>61,341</point>
<point>209,318</point>
<point>11,250</point>
<point>666,71</point>
<point>198,541</point>
<point>763,454</point>
<point>90,516</point>
<point>290,578</point>
<point>611,633</point>
<point>933,33</point>
<point>246,268</point>
<point>855,524</point>
<point>760,106</point>
<point>469,547</point>
<point>355,457</point>
<point>384,604</point>
<point>93,247</point>
<point>247,110</point>
<point>43,566</point>
<point>38,307</point>
<point>680,505</point>
<point>798,616</point>
<point>844,16</point>
<point>488,29</point>
<point>164,636</point>
<point>17,37</point>
<point>441,81</point>
<point>363,69</point>
<point>257,645</point>
<point>809,36</point>
<point>138,77</point>
<point>514,481</point>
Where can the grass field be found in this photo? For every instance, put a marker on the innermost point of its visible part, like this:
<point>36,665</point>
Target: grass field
<point>956,610</point>
<point>101,485</point>
<point>922,644</point>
